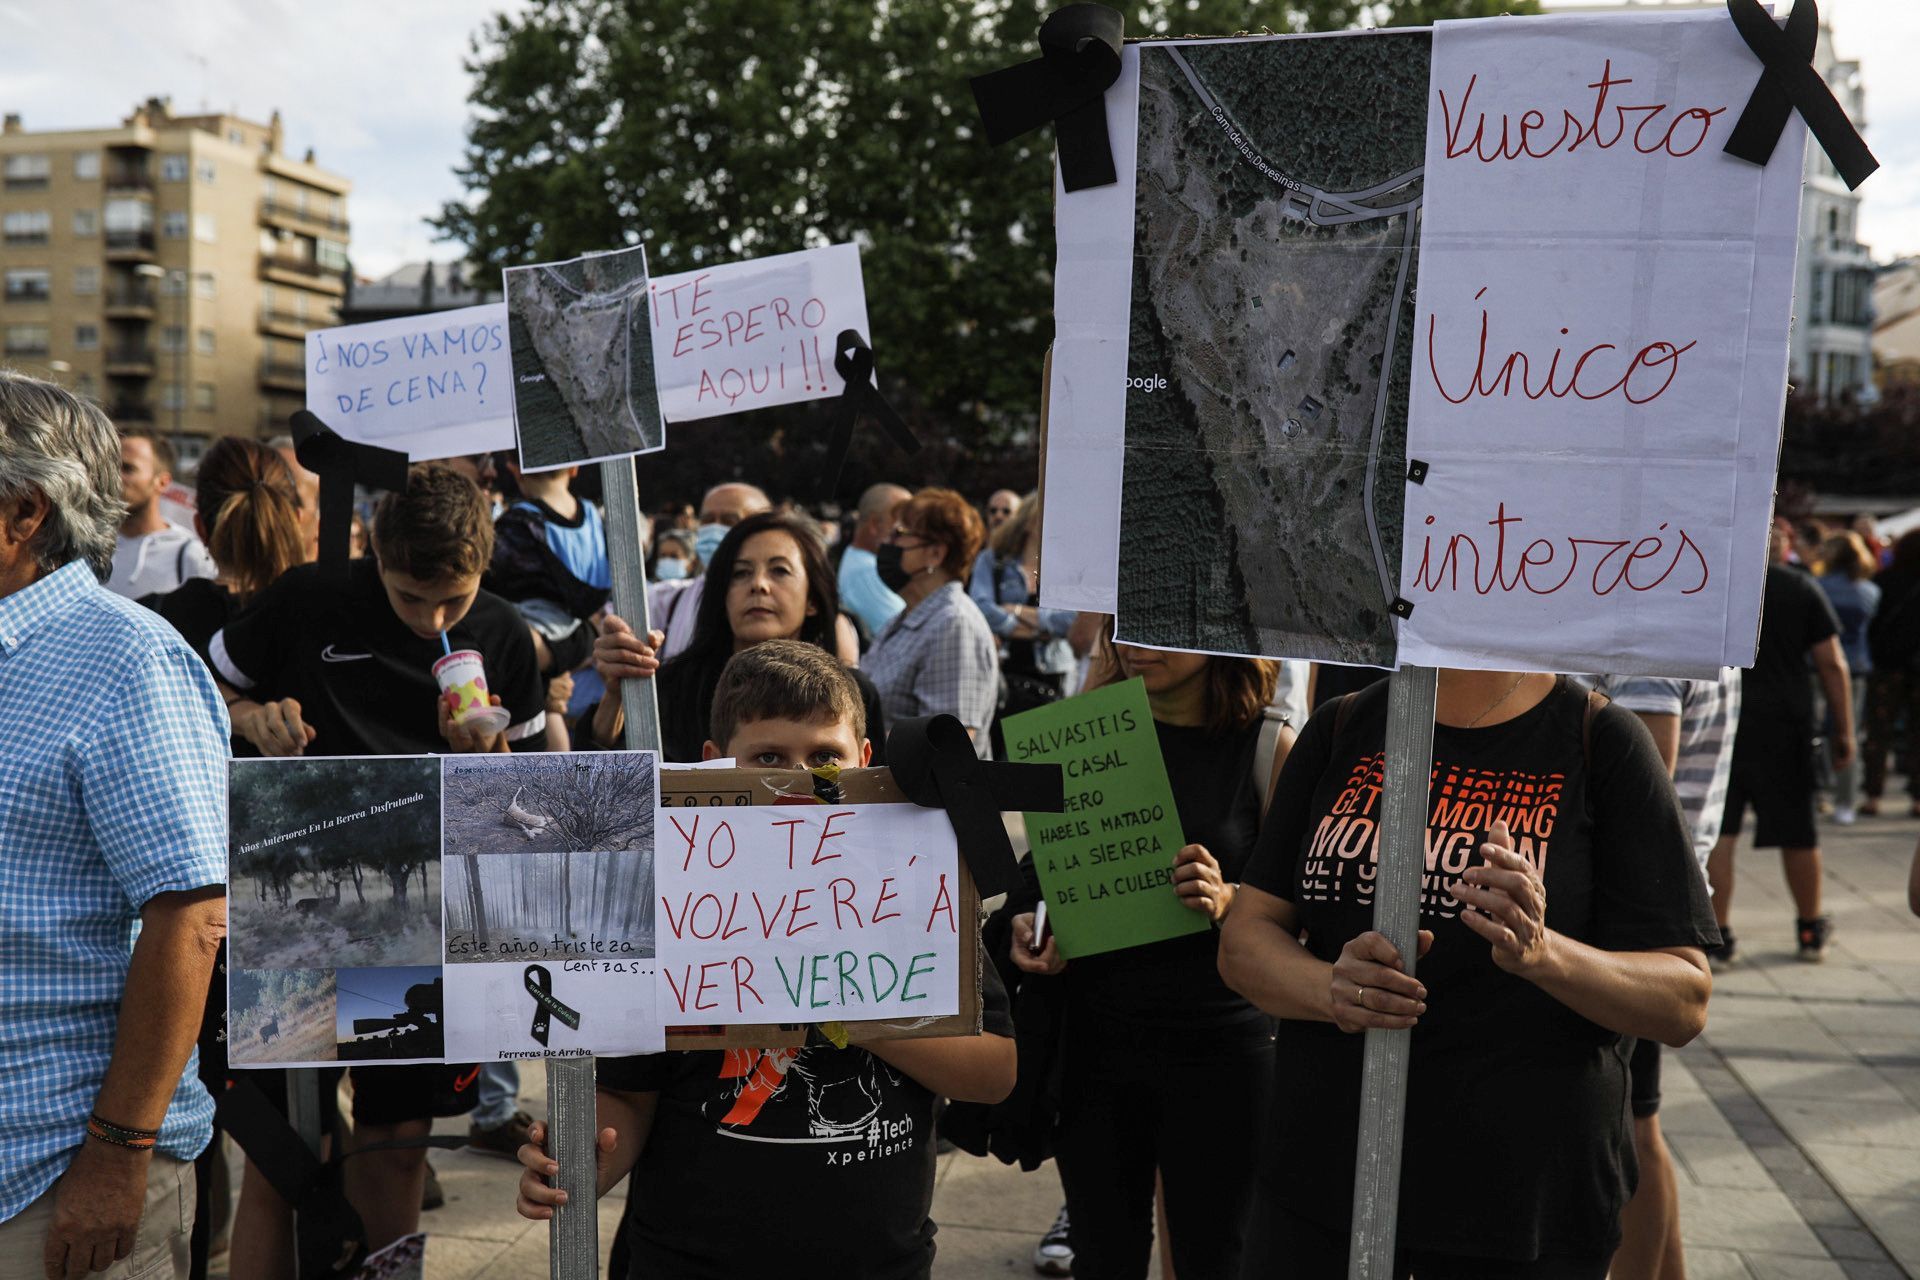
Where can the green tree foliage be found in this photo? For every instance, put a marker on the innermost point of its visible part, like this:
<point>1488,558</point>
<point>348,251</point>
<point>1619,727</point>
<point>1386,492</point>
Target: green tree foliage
<point>724,129</point>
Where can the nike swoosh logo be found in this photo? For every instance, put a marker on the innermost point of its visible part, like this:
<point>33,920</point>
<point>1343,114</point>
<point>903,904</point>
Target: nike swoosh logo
<point>328,655</point>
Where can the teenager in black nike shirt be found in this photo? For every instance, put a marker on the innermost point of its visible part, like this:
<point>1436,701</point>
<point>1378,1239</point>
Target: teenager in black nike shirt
<point>815,1161</point>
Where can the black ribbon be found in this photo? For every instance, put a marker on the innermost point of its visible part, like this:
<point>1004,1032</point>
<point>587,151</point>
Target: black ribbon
<point>853,361</point>
<point>933,760</point>
<point>1790,83</point>
<point>1067,84</point>
<point>546,1004</point>
<point>341,464</point>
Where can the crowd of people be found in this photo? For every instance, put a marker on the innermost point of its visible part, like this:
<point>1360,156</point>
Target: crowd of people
<point>789,638</point>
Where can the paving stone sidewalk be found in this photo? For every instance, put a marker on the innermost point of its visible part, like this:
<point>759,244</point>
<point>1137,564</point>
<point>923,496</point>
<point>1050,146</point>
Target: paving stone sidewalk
<point>1795,1120</point>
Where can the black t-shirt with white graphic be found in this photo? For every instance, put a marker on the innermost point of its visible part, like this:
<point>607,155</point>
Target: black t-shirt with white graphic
<point>765,1162</point>
<point>1518,1138</point>
<point>364,681</point>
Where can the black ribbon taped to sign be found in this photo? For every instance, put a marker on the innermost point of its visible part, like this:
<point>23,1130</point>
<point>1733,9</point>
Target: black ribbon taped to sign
<point>341,464</point>
<point>1067,84</point>
<point>853,361</point>
<point>933,760</point>
<point>1790,83</point>
<point>546,1004</point>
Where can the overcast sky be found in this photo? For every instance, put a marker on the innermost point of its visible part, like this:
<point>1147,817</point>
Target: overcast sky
<point>376,87</point>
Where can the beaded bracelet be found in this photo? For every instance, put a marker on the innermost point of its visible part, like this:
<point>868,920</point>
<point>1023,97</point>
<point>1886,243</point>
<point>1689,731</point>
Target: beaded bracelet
<point>121,1136</point>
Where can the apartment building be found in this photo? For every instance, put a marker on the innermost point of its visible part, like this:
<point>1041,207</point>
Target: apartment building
<point>169,268</point>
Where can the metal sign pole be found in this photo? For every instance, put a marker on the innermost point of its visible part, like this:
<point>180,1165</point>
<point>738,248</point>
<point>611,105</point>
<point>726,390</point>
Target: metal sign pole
<point>572,1121</point>
<point>1411,694</point>
<point>303,1113</point>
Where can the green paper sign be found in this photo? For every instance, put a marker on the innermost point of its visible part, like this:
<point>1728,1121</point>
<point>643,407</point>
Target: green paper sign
<point>1106,863</point>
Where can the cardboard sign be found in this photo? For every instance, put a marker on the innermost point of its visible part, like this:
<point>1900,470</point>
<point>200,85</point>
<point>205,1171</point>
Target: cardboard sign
<point>752,335</point>
<point>808,913</point>
<point>1106,863</point>
<point>1271,442</point>
<point>440,908</point>
<point>720,791</point>
<point>1600,350</point>
<point>430,386</point>
<point>582,360</point>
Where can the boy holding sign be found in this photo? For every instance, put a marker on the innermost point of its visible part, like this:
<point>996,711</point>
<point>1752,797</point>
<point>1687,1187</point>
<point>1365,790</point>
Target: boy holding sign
<point>824,1128</point>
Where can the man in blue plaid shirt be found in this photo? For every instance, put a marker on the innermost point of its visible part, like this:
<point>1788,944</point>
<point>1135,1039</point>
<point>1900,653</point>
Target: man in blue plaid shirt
<point>113,823</point>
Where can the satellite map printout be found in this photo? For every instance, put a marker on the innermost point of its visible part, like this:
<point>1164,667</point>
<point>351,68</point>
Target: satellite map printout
<point>582,348</point>
<point>1276,231</point>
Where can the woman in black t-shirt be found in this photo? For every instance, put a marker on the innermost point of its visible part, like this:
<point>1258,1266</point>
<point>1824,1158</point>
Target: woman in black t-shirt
<point>1165,1068</point>
<point>1536,971</point>
<point>768,580</point>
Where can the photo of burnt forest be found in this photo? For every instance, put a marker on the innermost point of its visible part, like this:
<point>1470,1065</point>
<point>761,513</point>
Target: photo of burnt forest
<point>1276,233</point>
<point>600,802</point>
<point>333,863</point>
<point>549,906</point>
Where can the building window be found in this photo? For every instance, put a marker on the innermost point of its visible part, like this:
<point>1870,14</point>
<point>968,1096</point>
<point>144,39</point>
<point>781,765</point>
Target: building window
<point>86,165</point>
<point>128,215</point>
<point>86,281</point>
<point>173,224</point>
<point>203,396</point>
<point>236,137</point>
<point>203,228</point>
<point>27,226</point>
<point>172,337</point>
<point>203,341</point>
<point>83,386</point>
<point>203,284</point>
<point>330,254</point>
<point>205,171</point>
<point>29,284</point>
<point>25,172</point>
<point>86,337</point>
<point>173,167</point>
<point>28,339</point>
<point>86,222</point>
<point>173,284</point>
<point>170,397</point>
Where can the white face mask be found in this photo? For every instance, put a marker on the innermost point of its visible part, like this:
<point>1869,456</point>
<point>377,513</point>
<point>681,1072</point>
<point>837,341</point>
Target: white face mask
<point>707,539</point>
<point>671,569</point>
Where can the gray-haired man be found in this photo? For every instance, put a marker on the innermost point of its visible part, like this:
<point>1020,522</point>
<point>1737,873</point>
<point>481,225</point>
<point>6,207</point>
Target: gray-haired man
<point>112,851</point>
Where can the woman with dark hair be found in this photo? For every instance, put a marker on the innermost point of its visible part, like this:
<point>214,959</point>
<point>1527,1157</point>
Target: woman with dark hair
<point>1141,1026</point>
<point>937,656</point>
<point>768,580</point>
<point>247,511</point>
<point>1893,690</point>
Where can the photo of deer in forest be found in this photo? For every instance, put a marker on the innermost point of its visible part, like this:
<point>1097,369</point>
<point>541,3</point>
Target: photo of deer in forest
<point>523,906</point>
<point>334,863</point>
<point>600,802</point>
<point>279,1016</point>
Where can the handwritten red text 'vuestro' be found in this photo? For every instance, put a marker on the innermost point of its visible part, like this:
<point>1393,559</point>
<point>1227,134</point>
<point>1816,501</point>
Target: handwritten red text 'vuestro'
<point>1514,373</point>
<point>1654,127</point>
<point>1545,566</point>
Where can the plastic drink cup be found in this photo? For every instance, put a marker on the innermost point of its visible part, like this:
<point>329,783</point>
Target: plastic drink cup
<point>462,673</point>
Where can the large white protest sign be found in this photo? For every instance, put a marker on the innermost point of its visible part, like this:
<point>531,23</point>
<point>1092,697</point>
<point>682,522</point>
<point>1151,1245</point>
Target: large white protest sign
<point>808,913</point>
<point>1601,348</point>
<point>431,386</point>
<point>752,335</point>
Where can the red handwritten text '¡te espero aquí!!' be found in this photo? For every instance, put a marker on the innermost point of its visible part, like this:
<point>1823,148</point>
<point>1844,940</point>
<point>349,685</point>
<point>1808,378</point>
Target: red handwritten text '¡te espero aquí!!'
<point>699,326</point>
<point>1650,127</point>
<point>1566,373</point>
<point>1667,557</point>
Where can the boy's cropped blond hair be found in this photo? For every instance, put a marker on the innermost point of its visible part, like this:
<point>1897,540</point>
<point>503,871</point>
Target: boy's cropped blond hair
<point>785,680</point>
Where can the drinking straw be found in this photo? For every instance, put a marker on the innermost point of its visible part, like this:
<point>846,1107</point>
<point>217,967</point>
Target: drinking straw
<point>446,645</point>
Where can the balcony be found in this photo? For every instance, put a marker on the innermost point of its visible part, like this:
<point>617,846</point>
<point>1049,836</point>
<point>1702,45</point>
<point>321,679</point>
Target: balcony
<point>130,302</point>
<point>283,375</point>
<point>130,359</point>
<point>38,183</point>
<point>29,293</point>
<point>129,411</point>
<point>304,273</point>
<point>284,324</point>
<point>130,244</point>
<point>280,213</point>
<point>126,181</point>
<point>27,237</point>
<point>38,350</point>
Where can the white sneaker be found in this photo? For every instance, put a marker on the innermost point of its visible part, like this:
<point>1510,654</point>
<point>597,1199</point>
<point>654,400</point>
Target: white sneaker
<point>1053,1256</point>
<point>1845,815</point>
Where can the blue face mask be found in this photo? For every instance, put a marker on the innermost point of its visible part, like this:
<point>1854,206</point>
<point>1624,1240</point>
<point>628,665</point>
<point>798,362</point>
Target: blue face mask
<point>671,569</point>
<point>707,539</point>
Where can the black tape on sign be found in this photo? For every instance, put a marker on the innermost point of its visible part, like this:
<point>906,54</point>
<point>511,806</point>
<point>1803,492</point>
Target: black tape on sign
<point>933,760</point>
<point>1067,84</point>
<point>1790,84</point>
<point>330,1238</point>
<point>341,464</point>
<point>853,361</point>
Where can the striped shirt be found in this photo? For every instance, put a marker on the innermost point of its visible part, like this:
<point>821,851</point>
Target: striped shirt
<point>113,790</point>
<point>1709,712</point>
